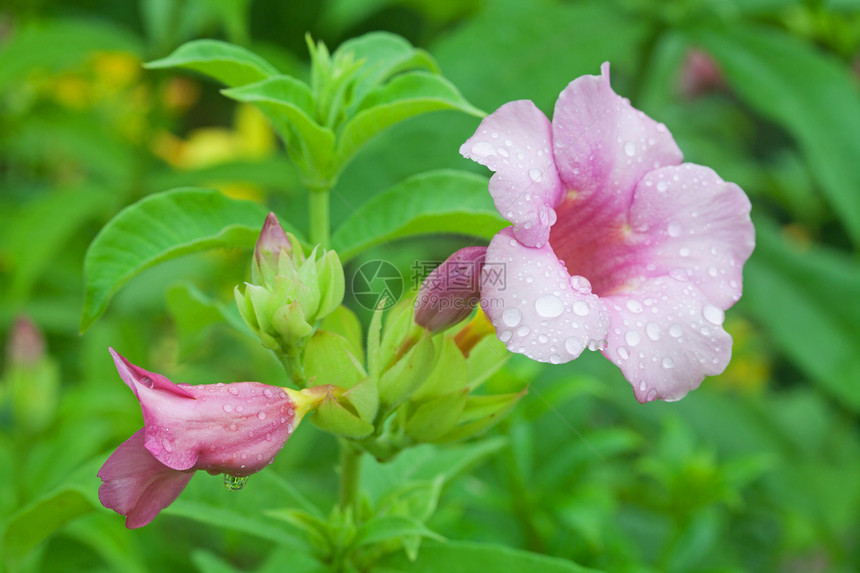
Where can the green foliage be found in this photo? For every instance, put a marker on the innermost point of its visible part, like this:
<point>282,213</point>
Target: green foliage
<point>755,471</point>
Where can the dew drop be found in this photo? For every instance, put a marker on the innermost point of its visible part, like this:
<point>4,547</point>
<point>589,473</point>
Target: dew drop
<point>549,306</point>
<point>674,229</point>
<point>684,252</point>
<point>713,314</point>
<point>511,317</point>
<point>234,483</point>
<point>555,359</point>
<point>233,390</point>
<point>676,330</point>
<point>630,149</point>
<point>261,415</point>
<point>581,308</point>
<point>634,305</point>
<point>653,331</point>
<point>661,186</point>
<point>632,337</point>
<point>483,149</point>
<point>668,362</point>
<point>535,175</point>
<point>523,330</point>
<point>228,408</point>
<point>165,443</point>
<point>574,345</point>
<point>623,353</point>
<point>505,335</point>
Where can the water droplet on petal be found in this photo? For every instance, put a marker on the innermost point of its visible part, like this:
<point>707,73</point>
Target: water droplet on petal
<point>483,149</point>
<point>535,175</point>
<point>235,483</point>
<point>634,305</point>
<point>511,316</point>
<point>574,345</point>
<point>261,415</point>
<point>555,359</point>
<point>676,330</point>
<point>228,408</point>
<point>713,314</point>
<point>549,306</point>
<point>674,229</point>
<point>581,308</point>
<point>523,330</point>
<point>630,149</point>
<point>505,335</point>
<point>623,353</point>
<point>233,390</point>
<point>653,331</point>
<point>668,362</point>
<point>632,337</point>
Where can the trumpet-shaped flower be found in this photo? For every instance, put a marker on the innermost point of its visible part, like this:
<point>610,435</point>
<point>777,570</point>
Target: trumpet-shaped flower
<point>615,244</point>
<point>235,429</point>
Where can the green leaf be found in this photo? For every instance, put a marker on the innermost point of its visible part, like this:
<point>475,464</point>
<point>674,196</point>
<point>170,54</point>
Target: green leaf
<point>159,228</point>
<point>54,218</point>
<point>59,44</point>
<point>787,80</point>
<point>228,519</point>
<point>383,54</point>
<point>468,557</point>
<point>480,413</point>
<point>194,313</point>
<point>405,96</point>
<point>289,105</point>
<point>444,201</point>
<point>390,527</point>
<point>31,525</point>
<point>808,301</point>
<point>229,64</point>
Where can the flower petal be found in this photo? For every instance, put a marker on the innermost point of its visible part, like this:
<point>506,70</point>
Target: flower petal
<point>136,377</point>
<point>603,146</point>
<point>136,484</point>
<point>537,308</point>
<point>694,225</point>
<point>666,337</point>
<point>231,428</point>
<point>515,141</point>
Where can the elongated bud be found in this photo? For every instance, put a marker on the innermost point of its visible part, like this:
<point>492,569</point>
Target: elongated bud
<point>451,291</point>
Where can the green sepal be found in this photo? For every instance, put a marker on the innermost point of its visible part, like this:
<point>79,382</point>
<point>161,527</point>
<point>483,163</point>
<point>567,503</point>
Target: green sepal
<point>398,323</point>
<point>436,417</point>
<point>344,322</point>
<point>485,359</point>
<point>406,375</point>
<point>334,418</point>
<point>481,412</point>
<point>364,398</point>
<point>448,374</point>
<point>330,359</point>
<point>332,283</point>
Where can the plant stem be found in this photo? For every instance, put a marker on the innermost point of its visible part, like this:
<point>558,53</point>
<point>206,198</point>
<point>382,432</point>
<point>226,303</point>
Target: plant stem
<point>319,217</point>
<point>350,470</point>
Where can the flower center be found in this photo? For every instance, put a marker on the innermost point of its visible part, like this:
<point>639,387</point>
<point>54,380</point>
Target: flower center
<point>594,242</point>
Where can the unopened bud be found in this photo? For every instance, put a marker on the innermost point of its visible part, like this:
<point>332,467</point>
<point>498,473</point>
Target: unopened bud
<point>450,293</point>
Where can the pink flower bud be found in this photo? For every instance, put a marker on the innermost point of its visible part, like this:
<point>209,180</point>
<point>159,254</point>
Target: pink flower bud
<point>234,429</point>
<point>26,344</point>
<point>451,291</point>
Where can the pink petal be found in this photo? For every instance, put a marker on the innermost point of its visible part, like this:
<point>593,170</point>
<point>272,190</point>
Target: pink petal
<point>603,146</point>
<point>136,377</point>
<point>136,484</point>
<point>538,309</point>
<point>666,337</point>
<point>515,141</point>
<point>693,226</point>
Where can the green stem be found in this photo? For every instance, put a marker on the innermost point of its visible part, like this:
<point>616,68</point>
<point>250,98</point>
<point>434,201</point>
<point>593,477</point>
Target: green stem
<point>350,471</point>
<point>319,217</point>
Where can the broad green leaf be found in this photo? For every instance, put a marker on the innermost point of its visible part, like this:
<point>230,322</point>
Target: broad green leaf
<point>390,527</point>
<point>208,562</point>
<point>101,531</point>
<point>383,54</point>
<point>813,96</point>
<point>469,557</point>
<point>808,301</point>
<point>31,525</point>
<point>444,201</point>
<point>228,519</point>
<point>54,218</point>
<point>272,172</point>
<point>194,313</point>
<point>162,227</point>
<point>289,105</point>
<point>58,44</point>
<point>229,64</point>
<point>405,96</point>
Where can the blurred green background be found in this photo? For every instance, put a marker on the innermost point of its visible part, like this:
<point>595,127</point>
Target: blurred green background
<point>758,470</point>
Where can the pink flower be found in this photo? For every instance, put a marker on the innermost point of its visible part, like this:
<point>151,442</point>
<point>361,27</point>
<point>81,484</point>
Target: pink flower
<point>234,429</point>
<point>615,245</point>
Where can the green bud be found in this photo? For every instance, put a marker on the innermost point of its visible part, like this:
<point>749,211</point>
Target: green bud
<point>289,292</point>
